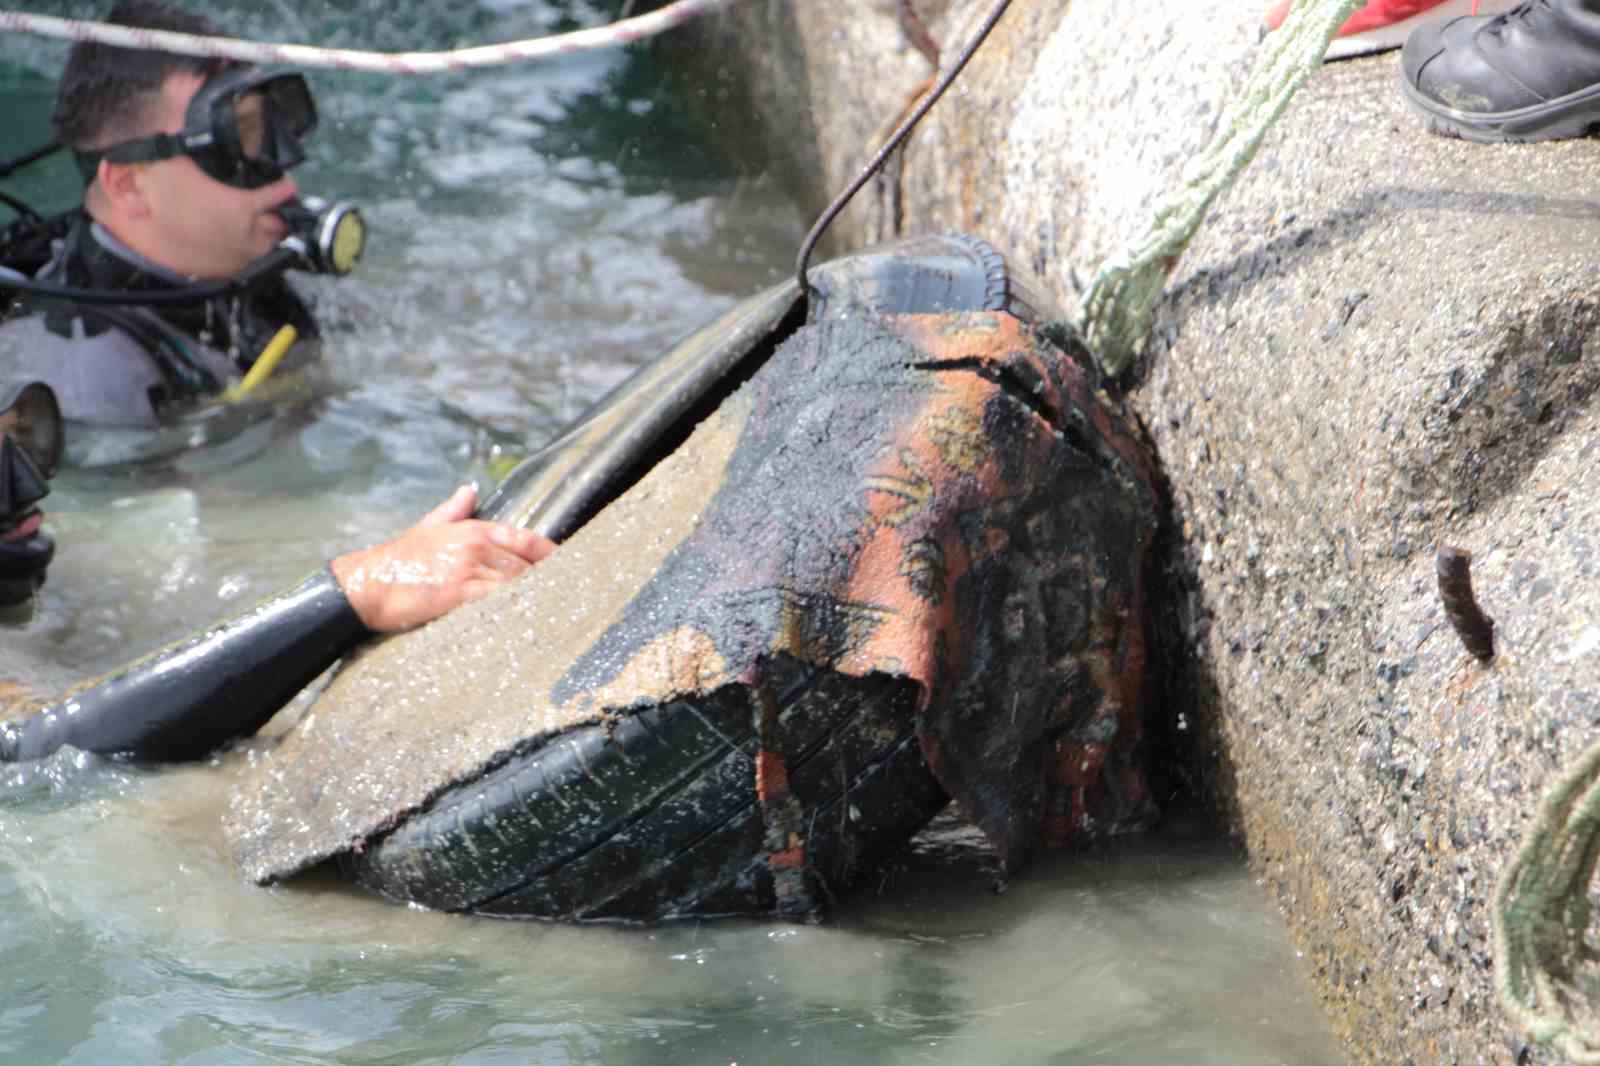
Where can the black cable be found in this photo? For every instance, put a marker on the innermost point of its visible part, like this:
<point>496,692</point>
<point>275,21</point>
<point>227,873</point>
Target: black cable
<point>21,208</point>
<point>900,134</point>
<point>11,166</point>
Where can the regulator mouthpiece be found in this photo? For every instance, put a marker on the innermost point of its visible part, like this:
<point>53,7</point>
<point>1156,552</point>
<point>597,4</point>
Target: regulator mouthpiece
<point>327,237</point>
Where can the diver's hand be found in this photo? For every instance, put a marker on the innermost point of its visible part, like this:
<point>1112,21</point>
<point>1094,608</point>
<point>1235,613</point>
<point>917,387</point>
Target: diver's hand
<point>438,564</point>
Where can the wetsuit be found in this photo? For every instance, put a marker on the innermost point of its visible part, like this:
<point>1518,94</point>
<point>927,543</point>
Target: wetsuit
<point>128,366</point>
<point>188,699</point>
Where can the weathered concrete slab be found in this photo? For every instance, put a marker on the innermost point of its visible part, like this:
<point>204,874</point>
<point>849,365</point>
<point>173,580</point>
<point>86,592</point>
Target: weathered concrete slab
<point>1405,362</point>
<point>1381,340</point>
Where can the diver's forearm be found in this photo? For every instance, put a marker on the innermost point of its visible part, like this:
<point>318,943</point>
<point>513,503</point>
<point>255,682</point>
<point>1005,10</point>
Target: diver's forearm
<point>186,700</point>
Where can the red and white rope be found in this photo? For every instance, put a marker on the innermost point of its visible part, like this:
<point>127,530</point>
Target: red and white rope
<point>614,35</point>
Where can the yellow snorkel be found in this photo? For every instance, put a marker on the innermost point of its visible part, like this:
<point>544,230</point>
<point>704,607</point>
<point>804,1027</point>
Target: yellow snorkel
<point>264,365</point>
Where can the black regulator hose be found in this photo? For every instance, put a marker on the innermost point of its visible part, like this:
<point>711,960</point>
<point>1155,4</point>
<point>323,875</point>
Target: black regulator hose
<point>11,166</point>
<point>190,698</point>
<point>199,292</point>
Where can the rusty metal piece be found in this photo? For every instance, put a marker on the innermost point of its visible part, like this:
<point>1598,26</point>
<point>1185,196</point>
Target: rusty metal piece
<point>1476,629</point>
<point>916,32</point>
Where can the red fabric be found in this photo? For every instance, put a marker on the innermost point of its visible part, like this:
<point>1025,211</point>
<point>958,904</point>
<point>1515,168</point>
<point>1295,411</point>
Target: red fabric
<point>1374,15</point>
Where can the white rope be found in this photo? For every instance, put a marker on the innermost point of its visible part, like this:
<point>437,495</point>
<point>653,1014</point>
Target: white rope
<point>1118,307</point>
<point>614,35</point>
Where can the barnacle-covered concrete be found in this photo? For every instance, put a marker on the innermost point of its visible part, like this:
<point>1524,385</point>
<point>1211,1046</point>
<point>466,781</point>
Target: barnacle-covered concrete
<point>1381,341</point>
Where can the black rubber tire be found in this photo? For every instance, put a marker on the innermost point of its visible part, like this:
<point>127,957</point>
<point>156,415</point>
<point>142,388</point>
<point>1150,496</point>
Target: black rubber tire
<point>659,819</point>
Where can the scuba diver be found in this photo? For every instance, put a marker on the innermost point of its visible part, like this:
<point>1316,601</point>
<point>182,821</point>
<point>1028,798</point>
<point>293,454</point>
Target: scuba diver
<point>160,292</point>
<point>30,447</point>
<point>166,286</point>
<point>192,697</point>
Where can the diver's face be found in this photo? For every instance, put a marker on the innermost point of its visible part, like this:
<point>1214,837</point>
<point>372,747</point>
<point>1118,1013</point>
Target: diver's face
<point>200,226</point>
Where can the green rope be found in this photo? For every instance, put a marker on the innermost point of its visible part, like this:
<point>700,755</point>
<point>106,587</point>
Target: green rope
<point>1117,309</point>
<point>1540,918</point>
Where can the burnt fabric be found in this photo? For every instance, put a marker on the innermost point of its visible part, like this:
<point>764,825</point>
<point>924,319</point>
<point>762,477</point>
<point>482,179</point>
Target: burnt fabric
<point>945,501</point>
<point>941,499</point>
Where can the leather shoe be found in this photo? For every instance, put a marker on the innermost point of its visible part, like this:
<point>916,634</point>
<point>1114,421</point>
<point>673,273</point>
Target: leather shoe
<point>1529,74</point>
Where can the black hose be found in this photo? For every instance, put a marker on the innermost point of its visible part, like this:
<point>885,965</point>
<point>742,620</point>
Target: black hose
<point>188,699</point>
<point>11,166</point>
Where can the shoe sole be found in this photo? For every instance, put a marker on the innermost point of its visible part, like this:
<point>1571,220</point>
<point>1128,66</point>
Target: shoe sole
<point>1388,38</point>
<point>1574,115</point>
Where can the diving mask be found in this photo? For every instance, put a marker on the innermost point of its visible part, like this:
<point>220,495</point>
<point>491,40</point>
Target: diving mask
<point>30,447</point>
<point>243,128</point>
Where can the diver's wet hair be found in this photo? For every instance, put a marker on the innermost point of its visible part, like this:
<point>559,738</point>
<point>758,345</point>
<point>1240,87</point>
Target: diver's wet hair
<point>105,91</point>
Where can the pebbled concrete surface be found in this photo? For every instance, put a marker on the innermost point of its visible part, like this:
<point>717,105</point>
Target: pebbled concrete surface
<point>1381,340</point>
